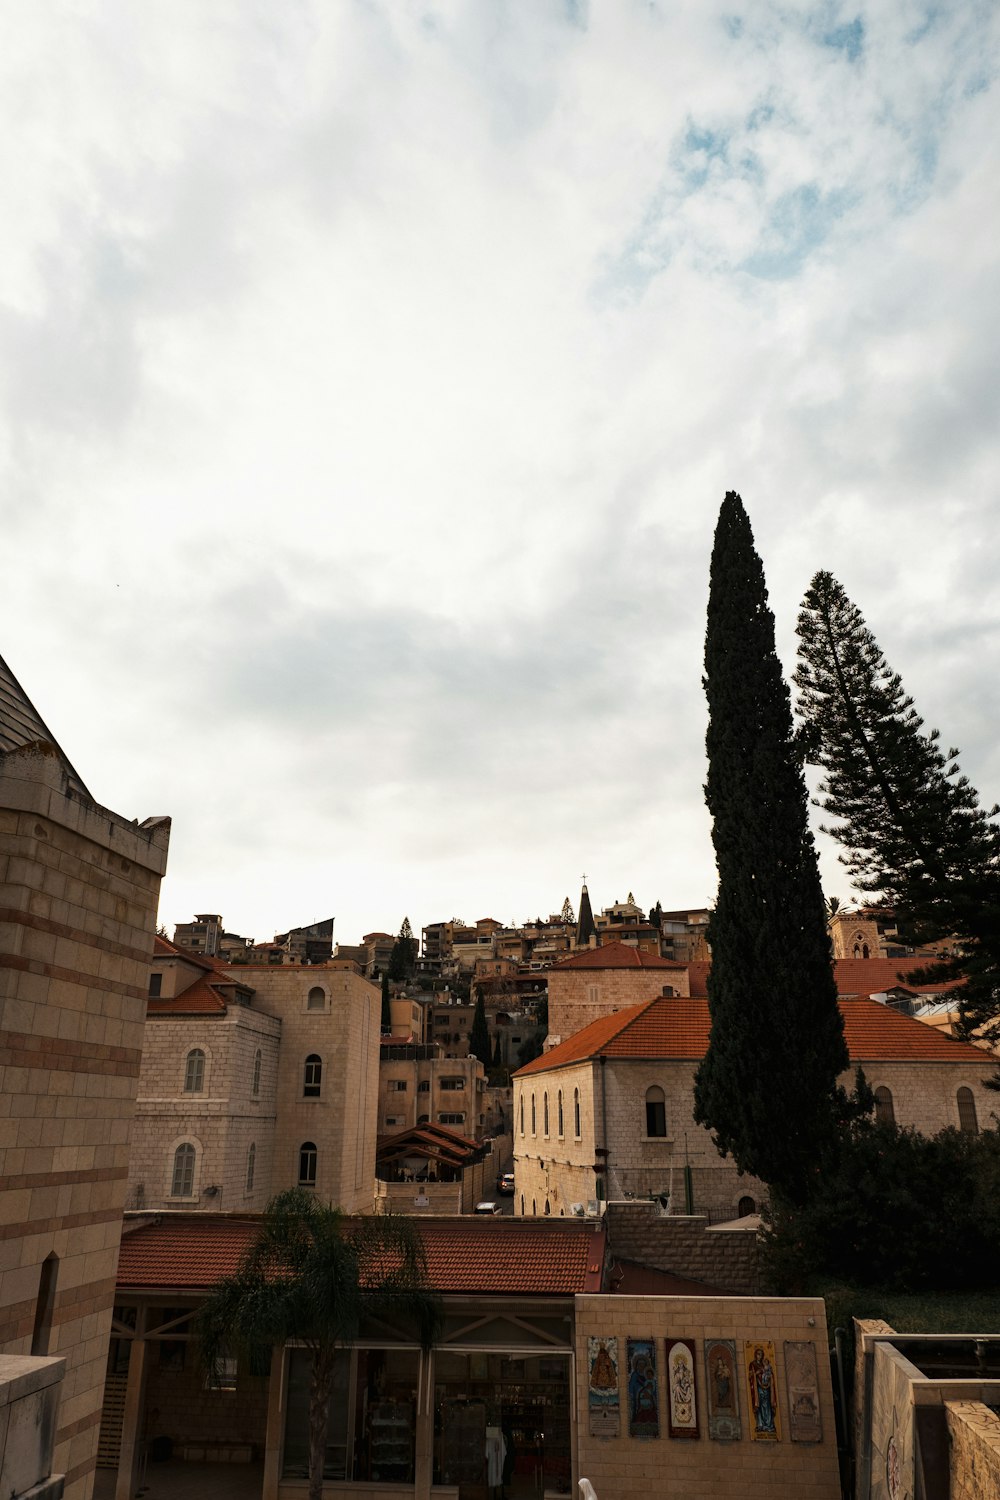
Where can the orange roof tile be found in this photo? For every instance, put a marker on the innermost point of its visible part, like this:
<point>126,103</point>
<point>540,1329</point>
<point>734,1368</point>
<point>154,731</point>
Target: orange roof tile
<point>202,998</point>
<point>678,1027</point>
<point>163,948</point>
<point>874,976</point>
<point>513,1257</point>
<point>616,956</point>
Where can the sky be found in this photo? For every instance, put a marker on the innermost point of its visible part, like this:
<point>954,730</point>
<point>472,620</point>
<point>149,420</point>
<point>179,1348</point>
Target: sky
<point>371,374</point>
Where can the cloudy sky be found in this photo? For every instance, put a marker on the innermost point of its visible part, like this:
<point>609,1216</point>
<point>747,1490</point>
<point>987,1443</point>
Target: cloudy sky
<point>371,373</point>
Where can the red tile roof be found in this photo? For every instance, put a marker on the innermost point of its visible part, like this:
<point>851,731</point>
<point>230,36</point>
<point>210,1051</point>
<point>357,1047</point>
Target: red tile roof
<point>873,976</point>
<point>616,956</point>
<point>203,998</point>
<point>509,1257</point>
<point>678,1027</point>
<point>162,948</point>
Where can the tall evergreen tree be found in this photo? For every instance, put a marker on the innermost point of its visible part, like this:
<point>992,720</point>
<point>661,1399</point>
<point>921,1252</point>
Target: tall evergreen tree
<point>386,1008</point>
<point>767,1086</point>
<point>912,827</point>
<point>479,1036</point>
<point>404,953</point>
<point>567,914</point>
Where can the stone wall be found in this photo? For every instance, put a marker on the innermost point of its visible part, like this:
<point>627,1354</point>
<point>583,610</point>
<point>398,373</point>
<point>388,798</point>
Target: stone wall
<point>974,1457</point>
<point>623,1466</point>
<point>78,895</point>
<point>722,1258</point>
<point>578,996</point>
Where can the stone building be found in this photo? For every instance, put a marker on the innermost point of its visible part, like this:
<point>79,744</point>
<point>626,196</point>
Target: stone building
<point>254,1080</point>
<point>78,895</point>
<point>619,1095</point>
<point>600,981</point>
<point>418,1086</point>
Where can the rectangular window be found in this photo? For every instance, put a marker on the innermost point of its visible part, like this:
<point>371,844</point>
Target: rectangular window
<point>452,1084</point>
<point>397,1085</point>
<point>155,985</point>
<point>452,1117</point>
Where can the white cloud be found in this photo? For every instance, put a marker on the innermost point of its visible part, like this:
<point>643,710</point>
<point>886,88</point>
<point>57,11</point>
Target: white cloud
<point>371,377</point>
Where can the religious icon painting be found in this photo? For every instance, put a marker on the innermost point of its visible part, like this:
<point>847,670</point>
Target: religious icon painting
<point>682,1396</point>
<point>722,1391</point>
<point>762,1390</point>
<point>602,1387</point>
<point>804,1421</point>
<point>643,1395</point>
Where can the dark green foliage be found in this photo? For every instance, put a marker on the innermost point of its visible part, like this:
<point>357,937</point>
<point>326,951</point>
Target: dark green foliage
<point>912,826</point>
<point>497,1060</point>
<point>404,953</point>
<point>895,1210</point>
<point>767,1086</point>
<point>567,914</point>
<point>386,1009</point>
<point>529,1049</point>
<point>310,1277</point>
<point>479,1035</point>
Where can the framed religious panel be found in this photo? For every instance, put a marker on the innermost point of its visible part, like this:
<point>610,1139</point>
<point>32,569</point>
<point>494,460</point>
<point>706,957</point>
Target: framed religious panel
<point>762,1390</point>
<point>643,1395</point>
<point>602,1387</point>
<point>722,1387</point>
<point>682,1395</point>
<point>805,1425</point>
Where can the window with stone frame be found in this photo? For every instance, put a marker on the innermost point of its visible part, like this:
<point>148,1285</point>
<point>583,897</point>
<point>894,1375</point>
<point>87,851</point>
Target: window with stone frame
<point>194,1071</point>
<point>312,1076</point>
<point>182,1177</point>
<point>308,1156</point>
<point>656,1112</point>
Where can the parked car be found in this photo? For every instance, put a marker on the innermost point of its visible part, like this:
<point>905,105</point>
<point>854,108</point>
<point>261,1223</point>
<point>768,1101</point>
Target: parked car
<point>505,1184</point>
<point>488,1207</point>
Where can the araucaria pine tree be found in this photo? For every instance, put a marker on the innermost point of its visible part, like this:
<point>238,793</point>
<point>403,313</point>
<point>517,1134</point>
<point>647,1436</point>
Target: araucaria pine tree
<point>767,1086</point>
<point>914,833</point>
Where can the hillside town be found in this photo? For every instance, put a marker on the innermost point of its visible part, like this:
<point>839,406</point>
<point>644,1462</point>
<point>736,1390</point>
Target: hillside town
<point>524,1096</point>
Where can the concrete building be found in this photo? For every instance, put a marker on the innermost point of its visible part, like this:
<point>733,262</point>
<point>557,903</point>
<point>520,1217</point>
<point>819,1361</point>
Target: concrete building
<point>619,1096</point>
<point>78,893</point>
<point>418,1086</point>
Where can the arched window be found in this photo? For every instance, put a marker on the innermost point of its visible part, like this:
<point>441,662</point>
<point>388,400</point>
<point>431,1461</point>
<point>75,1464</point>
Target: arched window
<point>182,1181</point>
<point>312,1077</point>
<point>534,1207</point>
<point>533,1120</point>
<point>307,1164</point>
<point>521,1105</point>
<point>44,1304</point>
<point>885,1114</point>
<point>316,999</point>
<point>255,1083</point>
<point>656,1111</point>
<point>194,1071</point>
<point>576,1113</point>
<point>522,1205</point>
<point>251,1164</point>
<point>548,1206</point>
<point>545,1111</point>
<point>559,1112</point>
<point>967,1112</point>
<point>744,1207</point>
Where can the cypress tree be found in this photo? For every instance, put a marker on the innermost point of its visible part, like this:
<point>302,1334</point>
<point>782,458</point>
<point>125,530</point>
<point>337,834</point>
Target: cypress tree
<point>912,827</point>
<point>479,1036</point>
<point>386,1008</point>
<point>767,1086</point>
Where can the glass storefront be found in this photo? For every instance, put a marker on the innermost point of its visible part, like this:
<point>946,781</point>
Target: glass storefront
<point>502,1423</point>
<point>501,1420</point>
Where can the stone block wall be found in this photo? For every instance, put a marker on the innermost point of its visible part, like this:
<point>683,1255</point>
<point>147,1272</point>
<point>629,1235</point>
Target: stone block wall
<point>579,996</point>
<point>622,1467</point>
<point>78,896</point>
<point>690,1247</point>
<point>974,1450</point>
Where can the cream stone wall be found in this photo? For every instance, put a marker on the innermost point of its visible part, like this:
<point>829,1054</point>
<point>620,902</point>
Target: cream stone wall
<point>78,895</point>
<point>703,1469</point>
<point>342,1121</point>
<point>558,1168</point>
<point>579,996</point>
<point>410,1088</point>
<point>973,1450</point>
<point>221,1121</point>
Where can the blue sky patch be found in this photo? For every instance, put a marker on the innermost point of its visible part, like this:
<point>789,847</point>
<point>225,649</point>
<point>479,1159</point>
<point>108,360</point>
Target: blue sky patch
<point>800,222</point>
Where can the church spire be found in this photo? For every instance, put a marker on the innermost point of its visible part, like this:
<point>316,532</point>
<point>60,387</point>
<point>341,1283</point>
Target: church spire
<point>585,928</point>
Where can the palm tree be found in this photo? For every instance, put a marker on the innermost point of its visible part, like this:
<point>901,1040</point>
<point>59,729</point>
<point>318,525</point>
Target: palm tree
<point>310,1277</point>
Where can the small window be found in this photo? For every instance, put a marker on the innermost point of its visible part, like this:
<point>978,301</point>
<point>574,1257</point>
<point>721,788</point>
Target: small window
<point>656,1112</point>
<point>559,1111</point>
<point>251,1165</point>
<point>44,1305</point>
<point>521,1120</point>
<point>255,1081</point>
<point>967,1112</point>
<point>424,1086</point>
<point>307,1164</point>
<point>545,1112</point>
<point>885,1114</point>
<point>397,1086</point>
<point>182,1181</point>
<point>155,985</point>
<point>452,1085</point>
<point>576,1113</point>
<point>452,1117</point>
<point>222,1375</point>
<point>548,1206</point>
<point>423,1119</point>
<point>534,1122</point>
<point>194,1071</point>
<point>522,1204</point>
<point>316,999</point>
<point>312,1077</point>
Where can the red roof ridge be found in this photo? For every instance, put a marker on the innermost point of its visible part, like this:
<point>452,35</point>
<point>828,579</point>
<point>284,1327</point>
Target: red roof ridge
<point>616,956</point>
